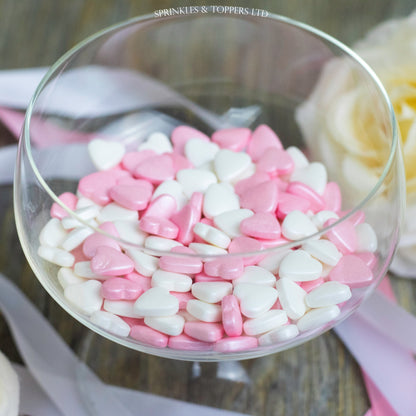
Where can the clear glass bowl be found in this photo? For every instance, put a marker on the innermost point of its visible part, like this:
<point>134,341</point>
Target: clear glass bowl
<point>209,71</point>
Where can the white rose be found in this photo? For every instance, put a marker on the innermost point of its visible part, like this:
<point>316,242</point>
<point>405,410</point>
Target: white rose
<point>351,147</point>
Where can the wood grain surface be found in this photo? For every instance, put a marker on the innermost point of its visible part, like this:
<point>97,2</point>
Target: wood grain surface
<point>317,378</point>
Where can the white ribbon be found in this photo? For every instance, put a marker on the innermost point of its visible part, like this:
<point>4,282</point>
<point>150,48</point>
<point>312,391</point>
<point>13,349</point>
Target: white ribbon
<point>57,370</point>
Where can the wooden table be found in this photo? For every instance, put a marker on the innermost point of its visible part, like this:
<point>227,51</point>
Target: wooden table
<point>318,378</point>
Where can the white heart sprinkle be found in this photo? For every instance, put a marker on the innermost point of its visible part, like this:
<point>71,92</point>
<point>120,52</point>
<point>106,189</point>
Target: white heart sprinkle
<point>169,325</point>
<point>56,255</point>
<point>111,323</point>
<point>317,317</point>
<point>280,334</point>
<point>159,243</point>
<point>292,298</point>
<point>328,293</point>
<point>299,159</point>
<point>255,300</point>
<point>144,264</point>
<point>52,234</point>
<point>297,225</point>
<point>67,277</point>
<point>105,154</point>
<point>85,296</point>
<point>272,260</point>
<point>229,221</point>
<point>157,301</point>
<point>323,250</point>
<point>300,266</point>
<point>86,213</point>
<point>220,198</point>
<point>314,175</point>
<point>270,320</point>
<point>175,282</point>
<point>76,237</point>
<point>115,212</point>
<point>230,165</point>
<point>195,180</point>
<point>205,312</point>
<point>207,249</point>
<point>129,231</point>
<point>121,307</point>
<point>158,142</point>
<point>212,235</point>
<point>83,269</point>
<point>211,292</point>
<point>321,217</point>
<point>257,275</point>
<point>200,151</point>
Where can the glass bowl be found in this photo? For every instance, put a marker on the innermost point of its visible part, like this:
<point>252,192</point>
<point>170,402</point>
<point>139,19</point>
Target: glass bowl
<point>210,71</point>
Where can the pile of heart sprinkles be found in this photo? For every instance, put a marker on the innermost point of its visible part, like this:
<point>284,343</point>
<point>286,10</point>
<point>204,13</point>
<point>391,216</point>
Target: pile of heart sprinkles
<point>239,191</point>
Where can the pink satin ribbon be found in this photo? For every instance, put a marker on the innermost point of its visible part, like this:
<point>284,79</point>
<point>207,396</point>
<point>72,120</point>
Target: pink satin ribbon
<point>374,348</point>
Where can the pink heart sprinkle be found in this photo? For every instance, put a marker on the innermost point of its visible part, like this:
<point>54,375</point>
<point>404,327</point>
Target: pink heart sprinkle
<point>228,268</point>
<point>187,217</point>
<point>181,134</point>
<point>79,254</point>
<point>132,159</point>
<point>180,162</point>
<point>342,235</point>
<point>183,342</point>
<point>181,264</point>
<point>332,197</point>
<point>110,262</point>
<point>119,288</point>
<point>277,305</point>
<point>243,244</point>
<point>132,321</point>
<point>159,226</point>
<point>260,198</point>
<point>156,169</point>
<point>288,203</point>
<point>262,139</point>
<point>352,271</point>
<point>231,316</point>
<point>311,284</point>
<point>202,277</point>
<point>370,259</point>
<point>250,182</point>
<point>164,206</point>
<point>261,225</point>
<point>134,194</point>
<point>275,161</point>
<point>235,139</point>
<point>68,199</point>
<point>274,243</point>
<point>97,185</point>
<point>204,331</point>
<point>145,282</point>
<point>149,336</point>
<point>233,344</point>
<point>306,192</point>
<point>93,241</point>
<point>183,298</point>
